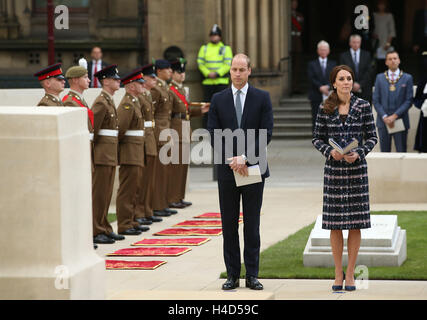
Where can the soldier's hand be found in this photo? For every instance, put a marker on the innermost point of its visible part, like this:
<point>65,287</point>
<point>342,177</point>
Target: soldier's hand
<point>205,107</point>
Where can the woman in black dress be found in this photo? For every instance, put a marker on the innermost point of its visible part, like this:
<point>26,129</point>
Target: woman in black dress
<point>344,116</point>
<point>420,101</point>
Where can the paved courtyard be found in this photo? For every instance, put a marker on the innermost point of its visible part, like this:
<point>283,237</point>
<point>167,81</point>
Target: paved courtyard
<point>292,200</point>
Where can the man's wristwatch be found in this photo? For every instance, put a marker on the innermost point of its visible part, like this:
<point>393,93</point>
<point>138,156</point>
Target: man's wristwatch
<point>244,158</point>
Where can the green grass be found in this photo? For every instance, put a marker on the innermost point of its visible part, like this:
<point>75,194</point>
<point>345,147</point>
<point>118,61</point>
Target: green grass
<point>111,217</point>
<point>284,260</point>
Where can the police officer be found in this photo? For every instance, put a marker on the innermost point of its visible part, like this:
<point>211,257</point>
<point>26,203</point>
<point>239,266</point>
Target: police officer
<point>131,154</point>
<point>106,127</point>
<point>180,122</point>
<point>214,61</point>
<point>53,81</point>
<point>162,100</point>
<point>144,203</point>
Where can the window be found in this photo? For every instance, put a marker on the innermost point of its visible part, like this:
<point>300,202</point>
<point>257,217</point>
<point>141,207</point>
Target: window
<point>73,5</point>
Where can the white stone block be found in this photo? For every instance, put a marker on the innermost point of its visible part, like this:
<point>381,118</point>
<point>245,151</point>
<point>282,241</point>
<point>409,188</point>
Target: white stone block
<point>384,244</point>
<point>46,207</point>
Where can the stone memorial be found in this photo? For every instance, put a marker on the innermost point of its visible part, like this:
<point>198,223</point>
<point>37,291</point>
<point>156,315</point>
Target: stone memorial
<point>46,249</point>
<point>384,244</point>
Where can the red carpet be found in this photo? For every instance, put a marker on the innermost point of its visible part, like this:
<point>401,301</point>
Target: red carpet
<point>212,215</point>
<point>189,232</point>
<point>149,252</point>
<point>172,242</point>
<point>132,265</point>
<point>201,223</point>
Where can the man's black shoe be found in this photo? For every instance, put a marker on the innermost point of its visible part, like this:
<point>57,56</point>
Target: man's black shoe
<point>142,228</point>
<point>116,237</point>
<point>170,211</point>
<point>253,283</point>
<point>103,239</point>
<point>155,219</point>
<point>144,221</point>
<point>186,203</point>
<point>131,232</point>
<point>177,205</point>
<point>161,213</point>
<point>231,283</point>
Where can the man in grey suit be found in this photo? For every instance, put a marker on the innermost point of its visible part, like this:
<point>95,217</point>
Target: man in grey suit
<point>392,99</point>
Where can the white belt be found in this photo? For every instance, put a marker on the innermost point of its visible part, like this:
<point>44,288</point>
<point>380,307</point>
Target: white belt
<point>134,133</point>
<point>91,136</point>
<point>108,133</point>
<point>148,124</point>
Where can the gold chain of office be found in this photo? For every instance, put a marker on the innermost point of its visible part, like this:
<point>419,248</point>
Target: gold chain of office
<point>393,82</point>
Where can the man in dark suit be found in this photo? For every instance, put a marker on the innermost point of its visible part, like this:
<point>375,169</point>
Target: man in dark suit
<point>247,111</point>
<point>392,99</point>
<point>318,73</point>
<point>419,34</point>
<point>360,61</point>
<point>95,65</point>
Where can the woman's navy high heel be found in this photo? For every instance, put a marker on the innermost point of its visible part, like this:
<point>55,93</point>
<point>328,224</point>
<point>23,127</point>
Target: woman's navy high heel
<point>338,288</point>
<point>350,288</point>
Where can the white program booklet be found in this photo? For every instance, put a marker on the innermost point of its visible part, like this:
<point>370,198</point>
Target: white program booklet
<point>253,177</point>
<point>398,127</point>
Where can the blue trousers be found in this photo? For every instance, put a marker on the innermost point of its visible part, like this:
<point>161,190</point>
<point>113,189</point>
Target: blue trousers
<point>400,140</point>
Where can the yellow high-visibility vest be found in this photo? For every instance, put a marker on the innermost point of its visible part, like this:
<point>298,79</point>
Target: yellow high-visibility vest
<point>215,58</point>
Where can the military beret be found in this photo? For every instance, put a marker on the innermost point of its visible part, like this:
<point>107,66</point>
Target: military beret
<point>75,72</point>
<point>52,71</point>
<point>162,64</point>
<point>108,72</point>
<point>134,76</point>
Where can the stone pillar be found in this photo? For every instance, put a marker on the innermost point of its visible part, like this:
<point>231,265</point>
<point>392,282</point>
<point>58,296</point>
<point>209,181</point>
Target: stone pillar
<point>240,32</point>
<point>252,33</point>
<point>264,34</point>
<point>275,32</point>
<point>46,249</point>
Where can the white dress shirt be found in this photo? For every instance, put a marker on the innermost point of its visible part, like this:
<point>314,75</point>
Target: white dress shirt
<point>243,93</point>
<point>396,74</point>
<point>357,55</point>
<point>96,65</point>
<point>323,62</point>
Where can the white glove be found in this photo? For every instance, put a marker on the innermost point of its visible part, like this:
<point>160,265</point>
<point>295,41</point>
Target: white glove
<point>83,63</point>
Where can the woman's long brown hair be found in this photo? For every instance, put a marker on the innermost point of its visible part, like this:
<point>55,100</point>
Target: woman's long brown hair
<point>333,101</point>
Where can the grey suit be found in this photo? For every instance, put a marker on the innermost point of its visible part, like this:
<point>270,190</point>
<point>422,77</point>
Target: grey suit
<point>397,102</point>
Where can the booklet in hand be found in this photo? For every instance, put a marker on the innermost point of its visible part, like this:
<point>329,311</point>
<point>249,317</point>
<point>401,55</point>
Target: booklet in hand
<point>344,149</point>
<point>254,176</point>
<point>399,126</point>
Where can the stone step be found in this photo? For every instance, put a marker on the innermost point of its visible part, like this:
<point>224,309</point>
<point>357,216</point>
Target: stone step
<point>291,118</point>
<point>292,135</point>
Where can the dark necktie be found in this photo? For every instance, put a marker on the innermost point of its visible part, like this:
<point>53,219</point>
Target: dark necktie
<point>324,68</point>
<point>238,107</point>
<point>356,63</point>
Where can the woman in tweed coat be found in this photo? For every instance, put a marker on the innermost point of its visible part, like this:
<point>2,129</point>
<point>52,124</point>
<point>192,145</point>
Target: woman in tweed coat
<point>344,116</point>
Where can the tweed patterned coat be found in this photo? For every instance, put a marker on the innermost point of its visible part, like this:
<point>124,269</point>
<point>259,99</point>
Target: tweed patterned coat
<point>346,188</point>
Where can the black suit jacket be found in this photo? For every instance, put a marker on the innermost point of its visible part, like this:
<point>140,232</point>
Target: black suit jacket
<point>315,76</point>
<point>89,70</point>
<point>418,37</point>
<point>364,77</point>
<point>257,114</point>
